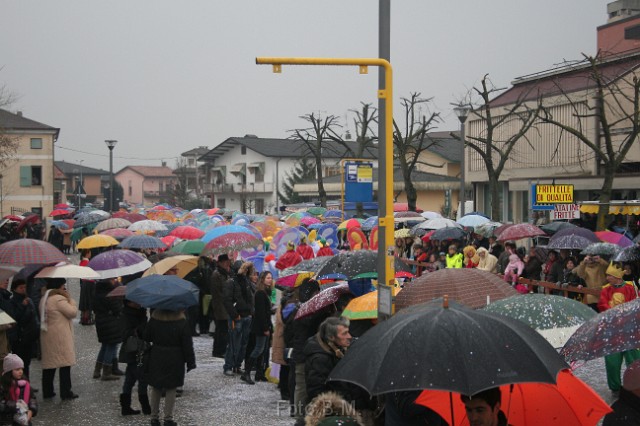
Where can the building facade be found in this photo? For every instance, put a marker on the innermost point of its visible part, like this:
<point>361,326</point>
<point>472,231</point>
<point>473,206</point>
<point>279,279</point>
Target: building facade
<point>145,185</point>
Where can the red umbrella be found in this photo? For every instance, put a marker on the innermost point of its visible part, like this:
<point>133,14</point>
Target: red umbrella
<point>59,212</point>
<point>427,237</point>
<point>119,214</point>
<point>213,211</point>
<point>519,231</point>
<point>322,300</point>
<point>14,218</point>
<point>400,207</point>
<point>27,250</point>
<point>169,240</point>
<point>61,206</point>
<point>29,220</point>
<point>501,228</point>
<point>187,233</point>
<point>134,217</point>
<point>69,222</point>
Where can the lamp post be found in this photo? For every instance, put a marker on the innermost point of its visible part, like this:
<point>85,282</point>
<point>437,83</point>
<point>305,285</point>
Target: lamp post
<point>111,144</point>
<point>462,112</point>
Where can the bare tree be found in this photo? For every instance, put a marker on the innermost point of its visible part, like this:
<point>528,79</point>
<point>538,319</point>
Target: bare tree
<point>8,142</point>
<point>616,111</point>
<point>410,143</point>
<point>179,193</point>
<point>491,144</point>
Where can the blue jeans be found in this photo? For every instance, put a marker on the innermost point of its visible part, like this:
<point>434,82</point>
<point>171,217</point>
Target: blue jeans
<point>107,353</point>
<point>238,337</point>
<point>258,349</point>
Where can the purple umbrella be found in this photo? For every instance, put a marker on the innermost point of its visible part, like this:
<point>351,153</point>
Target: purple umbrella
<point>573,239</point>
<point>581,232</point>
<point>117,263</point>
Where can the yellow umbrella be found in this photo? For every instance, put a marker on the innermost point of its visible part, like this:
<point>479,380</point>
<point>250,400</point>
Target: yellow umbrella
<point>97,240</point>
<point>183,263</point>
<point>365,306</point>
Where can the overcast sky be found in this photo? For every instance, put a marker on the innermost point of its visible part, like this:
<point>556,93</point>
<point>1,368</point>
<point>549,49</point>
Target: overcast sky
<point>163,77</point>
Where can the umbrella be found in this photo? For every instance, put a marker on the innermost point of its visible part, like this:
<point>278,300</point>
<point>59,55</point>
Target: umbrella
<point>85,219</point>
<point>14,218</point>
<point>630,254</point>
<point>400,207</point>
<point>519,231</point>
<point>569,402</point>
<point>28,220</point>
<point>317,211</point>
<point>309,220</point>
<point>224,230</point>
<point>118,233</point>
<point>402,233</point>
<point>430,215</point>
<point>168,292</point>
<point>556,318</point>
<point>335,214</point>
<point>369,223</point>
<point>59,212</point>
<point>231,242</point>
<point>349,223</point>
<point>142,242</point>
<point>133,217</point>
<point>118,263</point>
<point>62,206</point>
<point>365,306</point>
<point>582,232</point>
<point>119,291</point>
<point>193,247</point>
<point>322,300</point>
<point>112,223</point>
<point>612,331</point>
<point>26,250</point>
<point>97,240</point>
<point>183,263</point>
<point>444,345</point>
<point>309,265</point>
<point>438,223</point>
<point>444,234</point>
<point>471,287</point>
<point>293,280</point>
<point>569,242</point>
<point>502,228</point>
<point>553,227</point>
<point>473,220</point>
<point>146,226</point>
<point>402,217</point>
<point>353,263</point>
<point>68,271</point>
<point>614,238</point>
<point>606,250</point>
<point>487,229</point>
<point>187,233</point>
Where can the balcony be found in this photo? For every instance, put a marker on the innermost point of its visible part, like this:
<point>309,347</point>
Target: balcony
<point>250,188</point>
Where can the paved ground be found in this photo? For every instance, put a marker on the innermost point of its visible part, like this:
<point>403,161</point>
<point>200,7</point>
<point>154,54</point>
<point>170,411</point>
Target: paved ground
<point>210,398</point>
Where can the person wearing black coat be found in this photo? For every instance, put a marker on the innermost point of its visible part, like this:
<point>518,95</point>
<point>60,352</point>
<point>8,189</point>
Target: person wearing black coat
<point>134,322</point>
<point>260,325</point>
<point>218,313</point>
<point>400,409</point>
<point>164,367</point>
<point>626,410</point>
<point>108,327</point>
<point>238,302</point>
<point>23,336</point>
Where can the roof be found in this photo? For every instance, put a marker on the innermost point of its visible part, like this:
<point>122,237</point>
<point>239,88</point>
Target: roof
<point>447,146</point>
<point>11,121</point>
<point>199,151</point>
<point>150,171</point>
<point>76,169</point>
<point>567,79</point>
<point>281,148</point>
<point>416,176</point>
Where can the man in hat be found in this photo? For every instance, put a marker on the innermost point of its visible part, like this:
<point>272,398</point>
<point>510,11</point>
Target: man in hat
<point>614,293</point>
<point>626,410</point>
<point>289,258</point>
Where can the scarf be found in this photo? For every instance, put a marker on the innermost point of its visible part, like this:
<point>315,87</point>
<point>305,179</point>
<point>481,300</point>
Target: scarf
<point>43,311</point>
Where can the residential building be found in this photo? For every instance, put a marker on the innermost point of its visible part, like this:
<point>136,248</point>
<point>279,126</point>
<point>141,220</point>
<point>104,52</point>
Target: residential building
<point>147,184</point>
<point>80,184</point>
<point>549,155</point>
<point>194,170</point>
<point>245,173</point>
<point>26,182</point>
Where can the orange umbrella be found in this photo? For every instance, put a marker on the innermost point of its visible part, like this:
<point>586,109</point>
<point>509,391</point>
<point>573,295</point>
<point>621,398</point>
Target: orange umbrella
<point>365,306</point>
<point>569,402</point>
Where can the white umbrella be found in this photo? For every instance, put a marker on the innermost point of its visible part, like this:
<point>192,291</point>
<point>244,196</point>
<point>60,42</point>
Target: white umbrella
<point>439,223</point>
<point>68,271</point>
<point>430,215</point>
<point>147,226</point>
<point>473,220</point>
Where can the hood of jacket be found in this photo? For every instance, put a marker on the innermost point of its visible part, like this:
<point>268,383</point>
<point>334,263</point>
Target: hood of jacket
<point>330,404</point>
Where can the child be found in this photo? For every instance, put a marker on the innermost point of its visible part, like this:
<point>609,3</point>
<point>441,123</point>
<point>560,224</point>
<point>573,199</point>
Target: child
<point>513,270</point>
<point>18,403</point>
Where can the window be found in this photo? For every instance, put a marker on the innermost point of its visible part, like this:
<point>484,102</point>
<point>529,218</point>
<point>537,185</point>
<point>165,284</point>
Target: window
<point>259,206</point>
<point>243,150</point>
<point>160,187</point>
<point>130,189</point>
<point>30,176</point>
<point>222,203</point>
<point>36,143</point>
<point>192,162</point>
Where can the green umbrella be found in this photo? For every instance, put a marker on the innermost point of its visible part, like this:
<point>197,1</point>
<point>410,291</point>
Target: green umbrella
<point>317,211</point>
<point>554,317</point>
<point>193,247</point>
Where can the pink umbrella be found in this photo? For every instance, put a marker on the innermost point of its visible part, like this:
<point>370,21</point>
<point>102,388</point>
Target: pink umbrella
<point>309,220</point>
<point>187,233</point>
<point>322,300</point>
<point>169,240</point>
<point>118,233</point>
<point>519,231</point>
<point>614,238</point>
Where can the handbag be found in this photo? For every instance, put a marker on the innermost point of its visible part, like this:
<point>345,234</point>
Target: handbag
<point>132,344</point>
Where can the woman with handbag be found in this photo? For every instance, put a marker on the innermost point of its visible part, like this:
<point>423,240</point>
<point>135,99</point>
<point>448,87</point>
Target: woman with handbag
<point>134,322</point>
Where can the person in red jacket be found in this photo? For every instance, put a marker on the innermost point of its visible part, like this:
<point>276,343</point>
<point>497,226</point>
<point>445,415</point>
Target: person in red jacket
<point>304,249</point>
<point>614,293</point>
<point>289,258</point>
<point>325,250</point>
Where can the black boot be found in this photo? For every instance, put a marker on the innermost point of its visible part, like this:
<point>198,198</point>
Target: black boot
<point>260,377</point>
<point>246,376</point>
<point>115,368</point>
<point>125,405</point>
<point>144,404</point>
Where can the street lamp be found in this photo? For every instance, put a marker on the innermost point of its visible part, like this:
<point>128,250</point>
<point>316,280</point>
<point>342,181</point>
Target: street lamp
<point>111,144</point>
<point>462,112</point>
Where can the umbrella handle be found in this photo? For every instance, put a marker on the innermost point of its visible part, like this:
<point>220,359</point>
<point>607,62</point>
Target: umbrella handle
<point>451,406</point>
<point>510,399</point>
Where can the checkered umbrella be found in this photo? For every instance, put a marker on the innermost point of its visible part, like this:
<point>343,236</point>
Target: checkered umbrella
<point>26,250</point>
<point>142,242</point>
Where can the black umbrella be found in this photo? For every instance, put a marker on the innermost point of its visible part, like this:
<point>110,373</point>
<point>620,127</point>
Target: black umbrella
<point>353,263</point>
<point>449,347</point>
<point>309,265</point>
<point>553,227</point>
<point>88,219</point>
<point>443,234</point>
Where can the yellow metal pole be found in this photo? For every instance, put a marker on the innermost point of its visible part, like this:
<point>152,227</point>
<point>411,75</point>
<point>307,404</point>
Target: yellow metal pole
<point>386,222</point>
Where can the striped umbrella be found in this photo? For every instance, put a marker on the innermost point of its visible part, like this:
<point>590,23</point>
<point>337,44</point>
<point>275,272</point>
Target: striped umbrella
<point>142,242</point>
<point>113,223</point>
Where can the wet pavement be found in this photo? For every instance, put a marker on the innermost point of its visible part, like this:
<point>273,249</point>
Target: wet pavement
<point>210,398</point>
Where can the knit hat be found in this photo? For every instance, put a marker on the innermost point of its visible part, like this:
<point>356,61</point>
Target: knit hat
<point>631,378</point>
<point>614,271</point>
<point>11,362</point>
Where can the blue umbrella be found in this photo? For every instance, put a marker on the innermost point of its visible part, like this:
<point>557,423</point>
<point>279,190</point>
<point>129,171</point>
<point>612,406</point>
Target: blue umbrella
<point>168,292</point>
<point>142,242</point>
<point>332,213</point>
<point>476,214</point>
<point>368,224</point>
<point>223,230</point>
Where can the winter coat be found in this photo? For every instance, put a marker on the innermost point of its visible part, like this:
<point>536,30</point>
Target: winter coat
<point>554,271</point>
<point>515,265</point>
<point>400,409</point>
<point>171,348</point>
<point>612,296</point>
<point>26,330</point>
<point>330,405</point>
<point>455,261</point>
<point>503,260</point>
<point>626,410</point>
<point>57,343</point>
<point>262,314</point>
<point>277,342</point>
<point>107,314</point>
<point>133,322</point>
<point>532,269</point>
<point>593,275</point>
<point>303,329</point>
<point>488,262</point>
<point>320,359</point>
<point>288,259</point>
<point>216,283</point>
<point>238,297</point>
<point>19,390</point>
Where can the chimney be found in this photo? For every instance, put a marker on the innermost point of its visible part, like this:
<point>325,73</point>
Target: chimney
<point>164,164</point>
<point>19,113</point>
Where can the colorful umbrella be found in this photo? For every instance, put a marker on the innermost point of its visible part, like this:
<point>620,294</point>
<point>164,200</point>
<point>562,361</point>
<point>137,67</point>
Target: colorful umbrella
<point>14,218</point>
<point>168,292</point>
<point>365,306</point>
<point>614,238</point>
<point>568,402</point>
<point>322,300</point>
<point>187,233</point>
<point>132,217</point>
<point>142,242</point>
<point>520,231</point>
<point>487,229</point>
<point>349,223</point>
<point>333,214</point>
<point>317,211</point>
<point>97,240</point>
<point>183,264</point>
<point>369,223</point>
<point>62,206</point>
<point>402,233</point>
<point>193,247</point>
<point>230,242</point>
<point>85,219</point>
<point>309,220</point>
<point>353,263</point>
<point>293,280</point>
<point>112,223</point>
<point>59,212</point>
<point>118,233</point>
<point>118,263</point>
<point>26,250</point>
<point>224,230</point>
<point>169,240</point>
